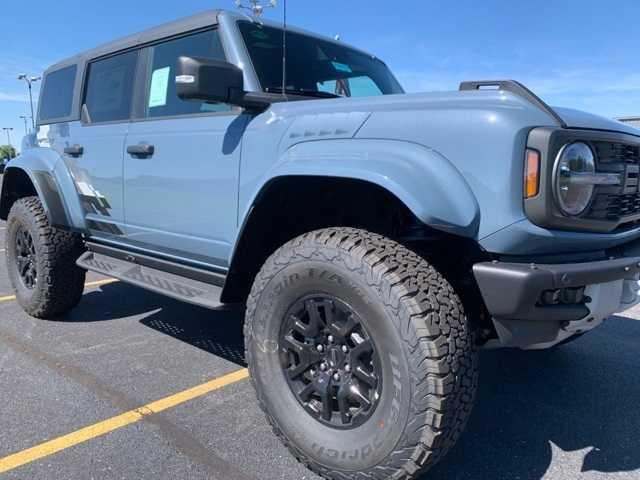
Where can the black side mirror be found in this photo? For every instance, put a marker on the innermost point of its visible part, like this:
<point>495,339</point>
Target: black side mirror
<point>209,80</point>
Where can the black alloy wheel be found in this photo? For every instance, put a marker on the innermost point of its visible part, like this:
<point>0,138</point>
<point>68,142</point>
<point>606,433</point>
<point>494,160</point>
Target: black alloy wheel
<point>26,258</point>
<point>330,361</point>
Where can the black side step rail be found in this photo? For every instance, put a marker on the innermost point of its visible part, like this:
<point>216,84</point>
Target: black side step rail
<point>189,284</point>
<point>516,88</point>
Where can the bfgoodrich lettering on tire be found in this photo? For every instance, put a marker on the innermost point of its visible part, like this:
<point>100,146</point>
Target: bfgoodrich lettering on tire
<point>361,355</point>
<point>41,261</point>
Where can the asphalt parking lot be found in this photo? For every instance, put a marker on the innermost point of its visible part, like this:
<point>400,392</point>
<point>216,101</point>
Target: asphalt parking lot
<point>80,399</point>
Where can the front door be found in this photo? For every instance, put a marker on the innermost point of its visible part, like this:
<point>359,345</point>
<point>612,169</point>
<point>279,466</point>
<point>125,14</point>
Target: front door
<point>181,162</point>
<point>96,149</point>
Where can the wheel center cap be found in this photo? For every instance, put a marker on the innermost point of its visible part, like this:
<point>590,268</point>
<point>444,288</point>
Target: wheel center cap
<point>335,357</point>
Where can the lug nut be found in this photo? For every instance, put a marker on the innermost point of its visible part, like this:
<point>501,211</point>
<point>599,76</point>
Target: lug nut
<point>323,366</point>
<point>336,377</point>
<point>347,368</point>
<point>330,338</point>
<point>344,349</point>
<point>320,348</point>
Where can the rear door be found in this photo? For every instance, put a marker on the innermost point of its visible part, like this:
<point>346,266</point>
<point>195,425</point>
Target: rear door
<point>97,152</point>
<point>181,171</point>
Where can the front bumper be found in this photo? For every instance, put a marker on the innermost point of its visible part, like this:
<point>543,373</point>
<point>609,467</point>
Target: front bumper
<point>514,295</point>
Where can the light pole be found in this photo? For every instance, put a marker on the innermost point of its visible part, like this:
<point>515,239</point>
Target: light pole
<point>30,80</point>
<point>8,129</point>
<point>24,118</point>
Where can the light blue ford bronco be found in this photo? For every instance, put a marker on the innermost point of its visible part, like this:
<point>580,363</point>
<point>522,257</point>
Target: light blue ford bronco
<point>377,238</point>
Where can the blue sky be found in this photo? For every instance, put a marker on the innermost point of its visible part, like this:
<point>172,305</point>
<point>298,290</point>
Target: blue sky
<point>576,53</point>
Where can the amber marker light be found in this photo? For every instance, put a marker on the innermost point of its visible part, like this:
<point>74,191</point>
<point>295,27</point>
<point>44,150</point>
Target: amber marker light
<point>532,173</point>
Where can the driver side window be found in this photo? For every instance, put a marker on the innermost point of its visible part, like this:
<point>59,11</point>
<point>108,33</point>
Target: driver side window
<point>161,97</point>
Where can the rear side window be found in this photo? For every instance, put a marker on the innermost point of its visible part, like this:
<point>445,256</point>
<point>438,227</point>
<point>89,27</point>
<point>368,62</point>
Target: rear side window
<point>162,100</point>
<point>109,88</point>
<point>57,94</point>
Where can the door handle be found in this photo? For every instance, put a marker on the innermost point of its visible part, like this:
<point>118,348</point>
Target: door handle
<point>142,150</point>
<point>74,151</point>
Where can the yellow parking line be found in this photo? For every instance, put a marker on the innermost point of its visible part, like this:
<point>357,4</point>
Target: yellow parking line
<point>97,283</point>
<point>84,434</point>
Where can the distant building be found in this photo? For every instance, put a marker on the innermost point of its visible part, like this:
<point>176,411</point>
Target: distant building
<point>633,121</point>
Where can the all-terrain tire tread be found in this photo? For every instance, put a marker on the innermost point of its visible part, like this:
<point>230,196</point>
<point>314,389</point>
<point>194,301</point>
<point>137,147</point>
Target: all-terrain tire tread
<point>430,318</point>
<point>62,280</point>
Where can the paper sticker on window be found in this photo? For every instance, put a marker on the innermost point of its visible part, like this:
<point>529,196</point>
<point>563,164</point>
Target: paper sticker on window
<point>159,87</point>
<point>341,67</point>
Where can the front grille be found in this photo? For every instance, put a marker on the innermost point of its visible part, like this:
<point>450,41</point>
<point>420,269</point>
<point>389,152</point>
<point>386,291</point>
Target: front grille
<point>620,203</point>
<point>611,153</point>
<point>615,207</point>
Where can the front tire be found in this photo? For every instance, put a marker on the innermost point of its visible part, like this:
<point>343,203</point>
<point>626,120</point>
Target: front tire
<point>420,372</point>
<point>41,261</point>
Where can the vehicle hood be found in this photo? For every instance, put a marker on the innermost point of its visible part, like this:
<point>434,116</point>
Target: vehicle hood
<point>579,119</point>
<point>456,101</point>
<point>453,103</point>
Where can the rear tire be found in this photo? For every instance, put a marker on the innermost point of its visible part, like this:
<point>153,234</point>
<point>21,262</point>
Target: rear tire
<point>423,349</point>
<point>41,261</point>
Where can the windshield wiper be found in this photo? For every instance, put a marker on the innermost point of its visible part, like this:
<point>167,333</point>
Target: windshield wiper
<point>303,92</point>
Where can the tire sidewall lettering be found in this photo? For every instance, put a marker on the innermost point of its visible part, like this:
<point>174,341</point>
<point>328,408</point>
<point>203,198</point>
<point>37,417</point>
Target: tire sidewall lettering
<point>381,433</point>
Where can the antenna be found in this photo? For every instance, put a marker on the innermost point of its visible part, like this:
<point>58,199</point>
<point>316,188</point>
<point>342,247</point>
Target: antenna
<point>284,51</point>
<point>256,6</point>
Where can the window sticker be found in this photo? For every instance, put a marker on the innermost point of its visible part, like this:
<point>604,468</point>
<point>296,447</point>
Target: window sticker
<point>159,87</point>
<point>341,67</point>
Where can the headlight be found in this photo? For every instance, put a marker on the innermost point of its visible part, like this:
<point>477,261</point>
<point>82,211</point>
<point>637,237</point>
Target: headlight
<point>575,161</point>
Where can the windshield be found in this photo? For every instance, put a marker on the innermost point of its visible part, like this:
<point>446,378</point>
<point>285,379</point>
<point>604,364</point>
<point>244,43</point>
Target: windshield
<point>315,67</point>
